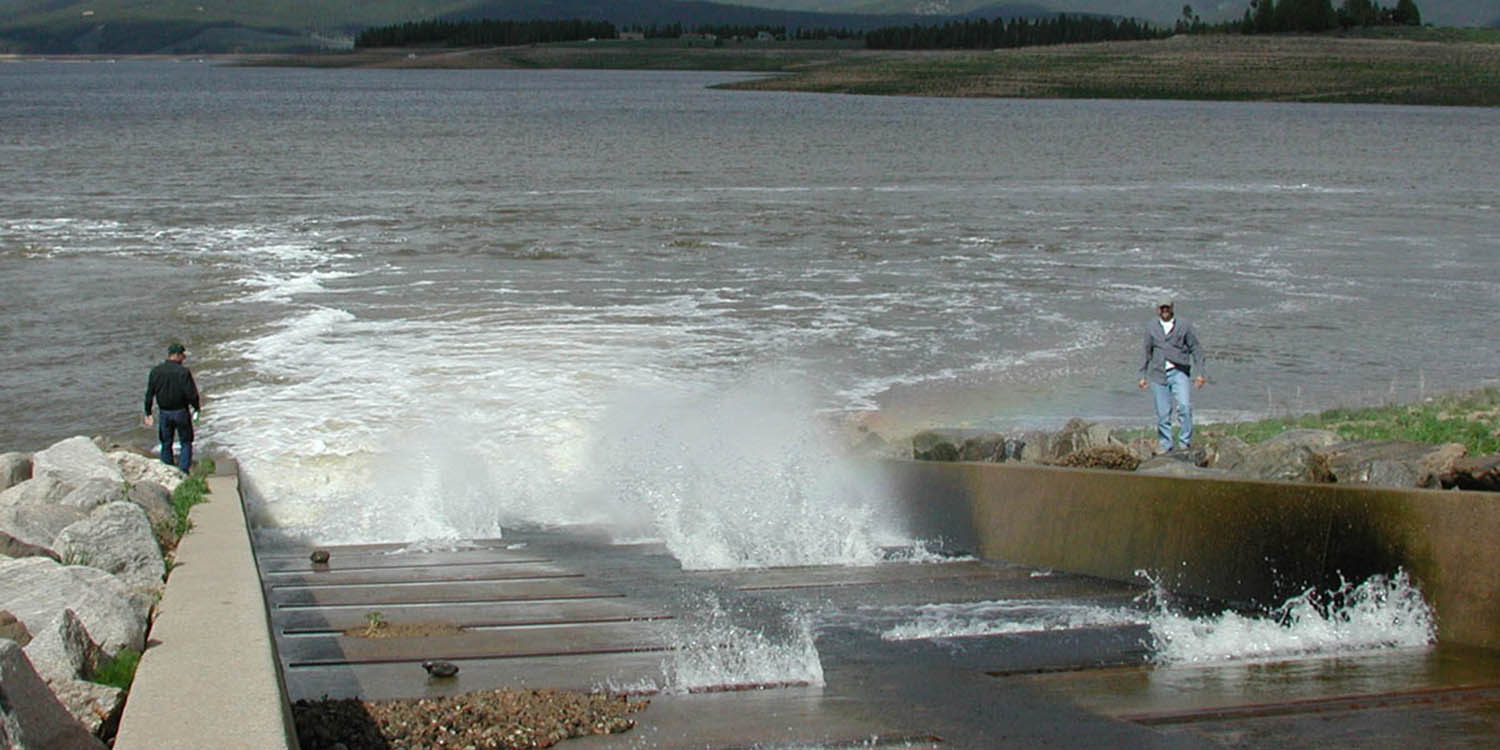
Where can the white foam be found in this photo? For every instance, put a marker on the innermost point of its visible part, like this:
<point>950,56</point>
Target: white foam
<point>1382,612</point>
<point>284,287</point>
<point>739,478</point>
<point>710,652</point>
<point>1005,616</point>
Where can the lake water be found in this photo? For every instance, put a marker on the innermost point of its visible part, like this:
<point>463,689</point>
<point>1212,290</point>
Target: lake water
<point>428,304</point>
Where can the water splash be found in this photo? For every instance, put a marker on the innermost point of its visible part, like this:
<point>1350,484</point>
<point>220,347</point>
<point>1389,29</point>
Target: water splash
<point>1381,612</point>
<point>744,478</point>
<point>711,652</point>
<point>1003,616</point>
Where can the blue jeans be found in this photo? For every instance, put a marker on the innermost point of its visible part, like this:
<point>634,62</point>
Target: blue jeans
<point>1175,392</point>
<point>176,423</point>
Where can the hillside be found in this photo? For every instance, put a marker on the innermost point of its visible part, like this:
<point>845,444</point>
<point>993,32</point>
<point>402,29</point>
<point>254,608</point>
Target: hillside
<point>1436,12</point>
<point>209,26</point>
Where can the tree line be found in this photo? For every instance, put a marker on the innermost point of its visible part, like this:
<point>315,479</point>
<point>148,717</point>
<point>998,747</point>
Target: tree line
<point>980,33</point>
<point>1262,17</point>
<point>1273,16</point>
<point>482,33</point>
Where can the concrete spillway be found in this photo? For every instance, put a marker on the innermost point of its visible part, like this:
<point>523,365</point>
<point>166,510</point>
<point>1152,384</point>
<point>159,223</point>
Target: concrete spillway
<point>568,609</point>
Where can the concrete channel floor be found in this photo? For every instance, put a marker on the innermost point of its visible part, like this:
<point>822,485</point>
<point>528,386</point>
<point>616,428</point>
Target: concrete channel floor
<point>569,610</point>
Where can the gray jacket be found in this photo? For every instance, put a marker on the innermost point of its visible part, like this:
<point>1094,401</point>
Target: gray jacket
<point>1180,347</point>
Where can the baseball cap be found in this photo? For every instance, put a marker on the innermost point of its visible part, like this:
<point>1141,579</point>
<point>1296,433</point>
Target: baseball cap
<point>176,349</point>
<point>1163,301</point>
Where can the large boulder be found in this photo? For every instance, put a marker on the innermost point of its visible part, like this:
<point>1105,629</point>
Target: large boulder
<point>1031,446</point>
<point>1078,435</point>
<point>1225,451</point>
<point>94,493</point>
<point>31,717</point>
<point>1292,456</point>
<point>989,447</point>
<point>1390,463</point>
<point>138,469</point>
<point>63,649</point>
<point>1175,465</point>
<point>75,461</point>
<point>12,546</point>
<point>65,657</point>
<point>935,445</point>
<point>15,468</point>
<point>1142,447</point>
<point>40,490</point>
<point>97,707</point>
<point>35,526</point>
<point>1476,473</point>
<point>36,590</point>
<point>157,502</point>
<point>117,539</point>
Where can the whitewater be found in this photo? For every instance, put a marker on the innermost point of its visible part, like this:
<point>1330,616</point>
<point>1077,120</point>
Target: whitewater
<point>428,306</point>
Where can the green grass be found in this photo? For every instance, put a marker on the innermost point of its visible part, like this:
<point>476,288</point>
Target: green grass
<point>119,671</point>
<point>192,491</point>
<point>1427,33</point>
<point>1471,418</point>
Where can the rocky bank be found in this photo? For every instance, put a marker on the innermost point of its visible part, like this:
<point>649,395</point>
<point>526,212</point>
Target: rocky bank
<point>1298,455</point>
<point>85,531</point>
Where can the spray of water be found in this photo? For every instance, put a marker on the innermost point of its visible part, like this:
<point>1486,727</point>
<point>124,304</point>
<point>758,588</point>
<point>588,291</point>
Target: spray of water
<point>1381,612</point>
<point>741,478</point>
<point>712,652</point>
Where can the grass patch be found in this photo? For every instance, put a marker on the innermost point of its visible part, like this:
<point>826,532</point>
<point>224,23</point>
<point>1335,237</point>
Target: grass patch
<point>1204,67</point>
<point>192,491</point>
<point>1471,418</point>
<point>119,671</point>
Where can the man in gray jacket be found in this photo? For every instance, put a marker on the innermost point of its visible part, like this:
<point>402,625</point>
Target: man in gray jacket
<point>1170,359</point>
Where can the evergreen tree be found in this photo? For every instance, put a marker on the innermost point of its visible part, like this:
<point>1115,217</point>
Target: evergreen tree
<point>1406,13</point>
<point>1358,13</point>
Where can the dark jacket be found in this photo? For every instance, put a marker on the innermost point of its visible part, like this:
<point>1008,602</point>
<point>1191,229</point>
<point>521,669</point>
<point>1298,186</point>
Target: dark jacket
<point>172,386</point>
<point>1180,347</point>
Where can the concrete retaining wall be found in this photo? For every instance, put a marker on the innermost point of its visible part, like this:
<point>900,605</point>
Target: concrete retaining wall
<point>1242,541</point>
<point>209,677</point>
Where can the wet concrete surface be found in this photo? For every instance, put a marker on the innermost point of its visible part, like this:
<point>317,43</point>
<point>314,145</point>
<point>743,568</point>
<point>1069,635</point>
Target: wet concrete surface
<point>569,610</point>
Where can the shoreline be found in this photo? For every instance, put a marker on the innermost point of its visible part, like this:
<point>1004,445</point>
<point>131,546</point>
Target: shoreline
<point>1278,68</point>
<point>1433,69</point>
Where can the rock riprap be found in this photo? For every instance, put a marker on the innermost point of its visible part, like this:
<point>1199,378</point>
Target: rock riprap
<point>1296,455</point>
<point>82,534</point>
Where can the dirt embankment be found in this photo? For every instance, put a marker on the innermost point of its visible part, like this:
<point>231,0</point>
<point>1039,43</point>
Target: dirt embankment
<point>1255,68</point>
<point>1227,67</point>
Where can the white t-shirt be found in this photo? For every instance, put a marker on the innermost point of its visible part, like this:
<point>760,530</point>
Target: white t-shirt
<point>1166,329</point>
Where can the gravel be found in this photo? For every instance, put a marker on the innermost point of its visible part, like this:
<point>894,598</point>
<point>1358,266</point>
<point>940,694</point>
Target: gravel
<point>483,720</point>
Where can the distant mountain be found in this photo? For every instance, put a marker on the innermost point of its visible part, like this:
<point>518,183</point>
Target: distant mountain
<point>207,26</point>
<point>691,14</point>
<point>1436,12</point>
<point>203,26</point>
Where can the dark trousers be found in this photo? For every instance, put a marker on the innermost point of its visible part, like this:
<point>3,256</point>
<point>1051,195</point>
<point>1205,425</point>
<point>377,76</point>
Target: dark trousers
<point>176,423</point>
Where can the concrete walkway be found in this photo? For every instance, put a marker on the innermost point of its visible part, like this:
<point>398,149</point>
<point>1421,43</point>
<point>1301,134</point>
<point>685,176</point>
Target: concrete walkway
<point>209,678</point>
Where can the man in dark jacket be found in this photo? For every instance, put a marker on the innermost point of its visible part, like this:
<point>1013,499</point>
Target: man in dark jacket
<point>171,386</point>
<point>1171,357</point>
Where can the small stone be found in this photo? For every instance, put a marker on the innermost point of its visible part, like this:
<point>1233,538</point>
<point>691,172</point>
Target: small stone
<point>440,668</point>
<point>319,557</point>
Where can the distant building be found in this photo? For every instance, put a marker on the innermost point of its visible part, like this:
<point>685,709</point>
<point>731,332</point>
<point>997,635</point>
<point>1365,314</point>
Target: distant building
<point>693,36</point>
<point>632,36</point>
<point>764,36</point>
